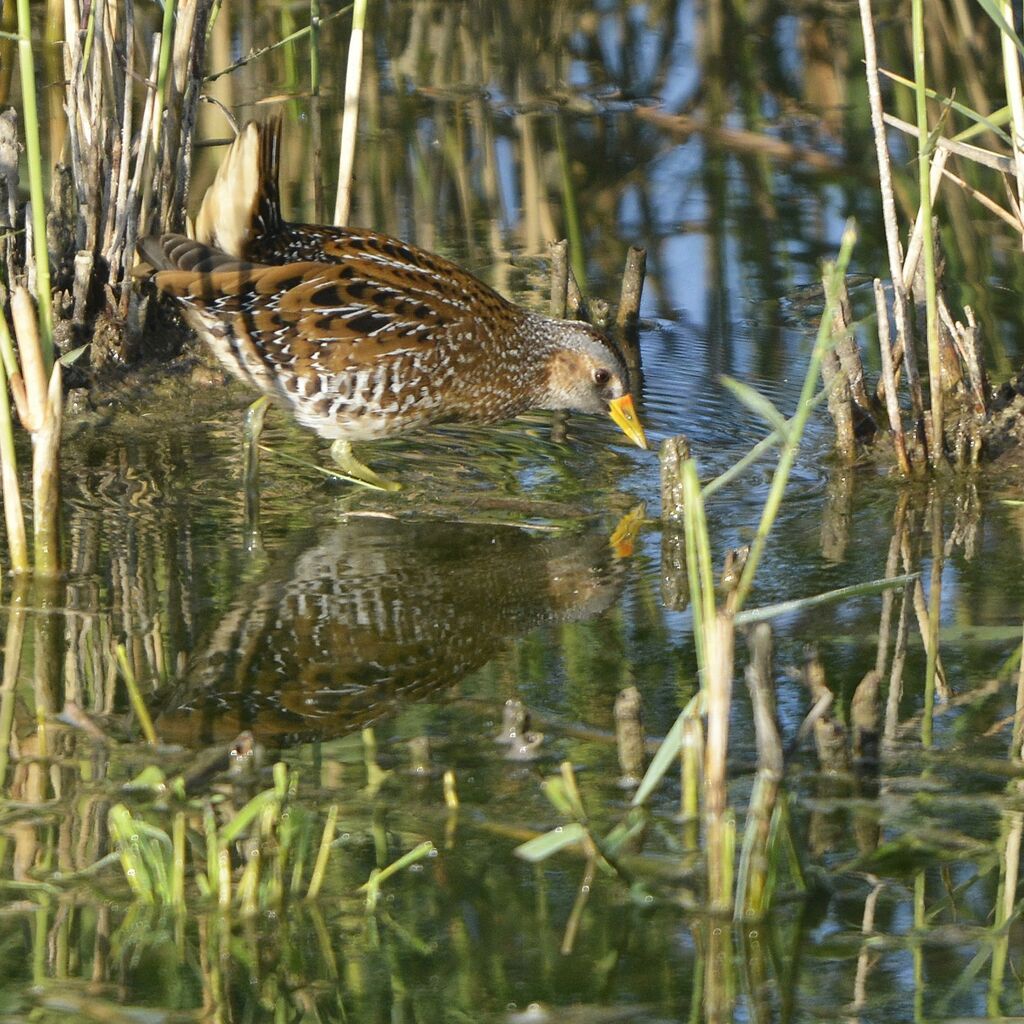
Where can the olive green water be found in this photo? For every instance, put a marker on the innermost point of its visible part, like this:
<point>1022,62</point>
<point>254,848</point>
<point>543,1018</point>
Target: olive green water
<point>370,642</point>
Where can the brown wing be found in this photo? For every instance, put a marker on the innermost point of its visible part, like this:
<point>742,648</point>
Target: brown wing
<point>336,316</point>
<point>378,257</point>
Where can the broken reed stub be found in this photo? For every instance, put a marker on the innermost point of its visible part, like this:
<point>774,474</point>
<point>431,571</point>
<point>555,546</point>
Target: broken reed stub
<point>627,322</point>
<point>559,277</point>
<point>673,453</point>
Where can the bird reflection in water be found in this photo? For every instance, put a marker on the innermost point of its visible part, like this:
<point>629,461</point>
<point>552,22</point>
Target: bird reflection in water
<point>376,613</point>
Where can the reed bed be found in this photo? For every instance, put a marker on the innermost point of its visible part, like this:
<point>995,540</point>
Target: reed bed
<point>954,417</point>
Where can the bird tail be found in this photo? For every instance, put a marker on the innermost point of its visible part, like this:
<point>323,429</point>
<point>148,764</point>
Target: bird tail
<point>243,203</point>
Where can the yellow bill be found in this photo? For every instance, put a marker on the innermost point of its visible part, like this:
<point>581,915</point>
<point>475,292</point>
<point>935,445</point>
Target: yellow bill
<point>625,418</point>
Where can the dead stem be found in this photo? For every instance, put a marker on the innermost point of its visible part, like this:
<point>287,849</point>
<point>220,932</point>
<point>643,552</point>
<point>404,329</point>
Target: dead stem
<point>627,321</point>
<point>900,304</point>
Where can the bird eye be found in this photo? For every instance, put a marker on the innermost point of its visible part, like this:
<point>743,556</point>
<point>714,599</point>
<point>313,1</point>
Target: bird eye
<point>601,376</point>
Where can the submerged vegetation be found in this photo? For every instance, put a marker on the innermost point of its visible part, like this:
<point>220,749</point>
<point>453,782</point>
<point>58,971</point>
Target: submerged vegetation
<point>350,756</point>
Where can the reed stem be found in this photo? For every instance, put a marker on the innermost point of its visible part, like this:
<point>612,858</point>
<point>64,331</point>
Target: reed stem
<point>924,150</point>
<point>791,444</point>
<point>350,120</point>
<point>30,111</point>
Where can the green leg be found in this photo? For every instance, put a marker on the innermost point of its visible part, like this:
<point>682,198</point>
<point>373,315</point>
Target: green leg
<point>254,417</point>
<point>341,452</point>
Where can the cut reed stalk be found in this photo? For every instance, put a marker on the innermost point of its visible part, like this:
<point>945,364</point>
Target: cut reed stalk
<point>559,252</point>
<point>627,320</point>
<point>350,119</point>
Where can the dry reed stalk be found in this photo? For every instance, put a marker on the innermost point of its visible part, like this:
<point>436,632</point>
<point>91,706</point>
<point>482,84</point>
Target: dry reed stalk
<point>33,372</point>
<point>892,402</point>
<point>965,338</point>
<point>350,119</point>
<point>1014,96</point>
<point>900,302</point>
<point>627,321</point>
<point>719,643</point>
<point>984,157</point>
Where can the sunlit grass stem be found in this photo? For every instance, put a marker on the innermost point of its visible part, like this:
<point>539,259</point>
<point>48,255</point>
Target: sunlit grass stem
<point>323,854</point>
<point>924,149</point>
<point>834,276</point>
<point>135,696</point>
<point>30,112</point>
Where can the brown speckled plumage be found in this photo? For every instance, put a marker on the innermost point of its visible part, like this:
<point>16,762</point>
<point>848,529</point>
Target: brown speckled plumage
<point>363,335</point>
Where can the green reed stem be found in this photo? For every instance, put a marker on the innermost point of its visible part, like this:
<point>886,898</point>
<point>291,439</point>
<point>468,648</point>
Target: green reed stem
<point>759,451</point>
<point>166,41</point>
<point>30,110</point>
<point>135,871</point>
<point>178,865</point>
<point>924,149</point>
<point>324,853</point>
<point>791,445</point>
<point>135,696</point>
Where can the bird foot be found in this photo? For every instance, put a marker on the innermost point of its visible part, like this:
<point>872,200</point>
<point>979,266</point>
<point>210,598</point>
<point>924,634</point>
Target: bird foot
<point>352,469</point>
